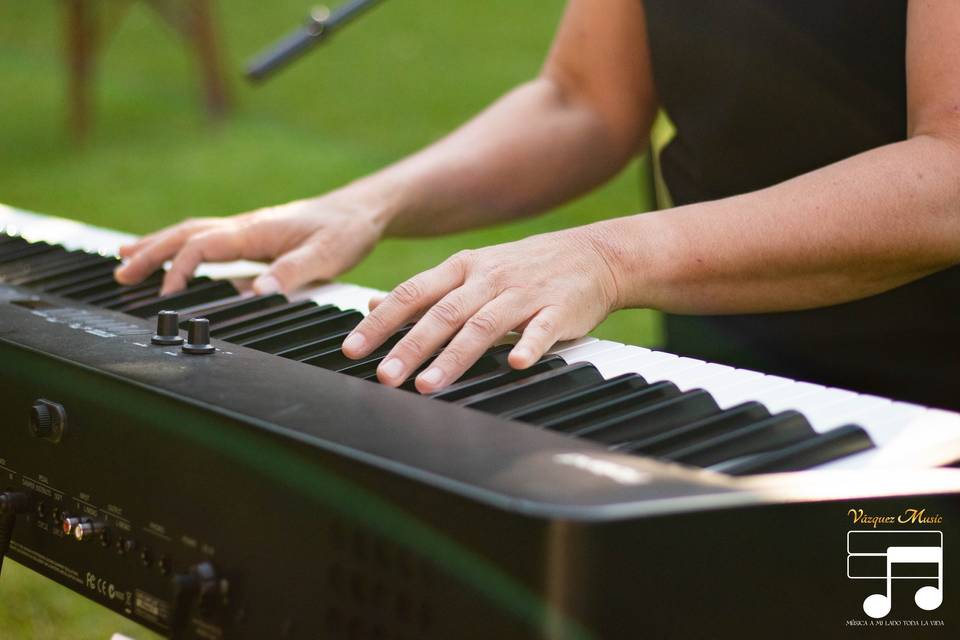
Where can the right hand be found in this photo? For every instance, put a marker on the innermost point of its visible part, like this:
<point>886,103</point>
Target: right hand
<point>306,240</point>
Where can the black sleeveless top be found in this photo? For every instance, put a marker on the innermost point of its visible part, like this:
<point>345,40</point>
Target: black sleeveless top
<point>761,91</point>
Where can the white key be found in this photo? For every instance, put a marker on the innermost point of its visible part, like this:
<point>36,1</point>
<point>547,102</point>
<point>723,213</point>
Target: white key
<point>788,396</point>
<point>836,415</point>
<point>560,347</point>
<point>668,368</point>
<point>634,360</point>
<point>749,387</point>
<point>696,377</point>
<point>587,352</point>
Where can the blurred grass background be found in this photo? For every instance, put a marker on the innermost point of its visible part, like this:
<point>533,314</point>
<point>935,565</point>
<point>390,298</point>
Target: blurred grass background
<point>406,75</point>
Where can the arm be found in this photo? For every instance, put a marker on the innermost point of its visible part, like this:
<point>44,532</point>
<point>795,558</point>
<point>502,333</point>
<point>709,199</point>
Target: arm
<point>551,139</point>
<point>849,230</point>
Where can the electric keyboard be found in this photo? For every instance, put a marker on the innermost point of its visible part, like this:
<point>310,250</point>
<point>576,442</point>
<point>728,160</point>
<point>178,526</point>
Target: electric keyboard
<point>210,465</point>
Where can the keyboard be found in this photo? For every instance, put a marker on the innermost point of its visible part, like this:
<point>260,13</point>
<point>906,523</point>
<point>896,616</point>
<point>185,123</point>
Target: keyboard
<point>214,389</point>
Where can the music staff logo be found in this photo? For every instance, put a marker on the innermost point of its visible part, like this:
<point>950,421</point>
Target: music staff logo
<point>893,557</point>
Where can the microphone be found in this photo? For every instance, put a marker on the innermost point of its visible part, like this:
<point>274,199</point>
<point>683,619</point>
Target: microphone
<point>321,24</point>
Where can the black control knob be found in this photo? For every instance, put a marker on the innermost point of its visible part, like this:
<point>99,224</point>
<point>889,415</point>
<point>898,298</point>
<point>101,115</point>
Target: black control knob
<point>47,420</point>
<point>41,420</point>
<point>198,337</point>
<point>168,329</point>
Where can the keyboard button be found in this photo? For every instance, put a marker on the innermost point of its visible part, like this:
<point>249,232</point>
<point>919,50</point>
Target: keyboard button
<point>232,310</point>
<point>336,360</point>
<point>282,321</point>
<point>189,297</point>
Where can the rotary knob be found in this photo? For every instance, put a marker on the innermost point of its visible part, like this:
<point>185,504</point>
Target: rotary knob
<point>198,338</point>
<point>48,420</point>
<point>168,329</point>
<point>41,420</point>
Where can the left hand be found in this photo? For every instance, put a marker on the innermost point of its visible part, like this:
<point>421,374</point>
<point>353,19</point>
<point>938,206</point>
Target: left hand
<point>551,287</point>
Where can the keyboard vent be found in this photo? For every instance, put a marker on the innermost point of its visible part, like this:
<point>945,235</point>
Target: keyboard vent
<point>380,591</point>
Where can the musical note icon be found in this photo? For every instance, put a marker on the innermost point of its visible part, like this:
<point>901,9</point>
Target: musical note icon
<point>928,598</point>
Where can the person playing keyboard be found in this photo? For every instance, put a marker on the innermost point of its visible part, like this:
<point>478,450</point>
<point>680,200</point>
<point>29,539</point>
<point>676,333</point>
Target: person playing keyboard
<point>814,177</point>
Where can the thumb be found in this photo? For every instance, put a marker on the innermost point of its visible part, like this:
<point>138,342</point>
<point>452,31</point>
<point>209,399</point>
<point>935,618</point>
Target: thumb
<point>292,270</point>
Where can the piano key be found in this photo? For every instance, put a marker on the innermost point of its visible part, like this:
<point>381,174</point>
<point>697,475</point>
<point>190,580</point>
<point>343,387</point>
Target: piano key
<point>698,430</point>
<point>17,254</point>
<point>83,280</point>
<point>493,361</point>
<point>822,448</point>
<point>496,379</point>
<point>205,292</point>
<point>113,295</point>
<point>568,345</point>
<point>590,351</point>
<point>335,359</point>
<point>550,384</point>
<point>836,415</point>
<point>648,419</point>
<point>56,269</point>
<point>21,268</point>
<point>630,360</point>
<point>747,389</point>
<point>778,431</point>
<point>697,377</point>
<point>668,368</point>
<point>314,348</point>
<point>340,294</point>
<point>234,309</point>
<point>306,331</point>
<point>285,321</point>
<point>261,318</point>
<point>583,398</point>
<point>580,417</point>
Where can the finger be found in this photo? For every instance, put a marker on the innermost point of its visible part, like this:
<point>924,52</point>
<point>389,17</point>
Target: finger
<point>216,245</point>
<point>439,323</point>
<point>375,301</point>
<point>480,332</point>
<point>186,227</point>
<point>541,333</point>
<point>304,264</point>
<point>150,258</point>
<point>406,301</point>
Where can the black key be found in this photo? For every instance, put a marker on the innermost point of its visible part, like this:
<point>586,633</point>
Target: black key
<point>368,370</point>
<point>493,360</point>
<point>190,297</point>
<point>23,268</point>
<point>819,449</point>
<point>58,274</point>
<point>638,422</point>
<point>495,379</point>
<point>580,417</point>
<point>9,240</point>
<point>523,393</point>
<point>35,249</point>
<point>304,332</point>
<point>290,321</point>
<point>229,311</point>
<point>253,318</point>
<point>79,281</point>
<point>778,431</point>
<point>314,348</point>
<point>116,295</point>
<point>55,269</point>
<point>710,427</point>
<point>585,398</point>
<point>335,360</point>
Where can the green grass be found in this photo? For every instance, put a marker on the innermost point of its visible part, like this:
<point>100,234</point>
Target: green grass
<point>409,73</point>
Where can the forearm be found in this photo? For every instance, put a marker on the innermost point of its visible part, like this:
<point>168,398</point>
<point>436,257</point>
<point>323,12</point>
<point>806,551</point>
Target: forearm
<point>853,229</point>
<point>533,149</point>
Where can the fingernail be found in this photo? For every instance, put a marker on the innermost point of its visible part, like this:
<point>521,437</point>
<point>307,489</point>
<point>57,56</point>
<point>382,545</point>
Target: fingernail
<point>265,285</point>
<point>354,343</point>
<point>432,376</point>
<point>392,368</point>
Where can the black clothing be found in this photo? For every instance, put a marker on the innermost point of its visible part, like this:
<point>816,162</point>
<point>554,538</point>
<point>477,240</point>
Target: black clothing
<point>764,90</point>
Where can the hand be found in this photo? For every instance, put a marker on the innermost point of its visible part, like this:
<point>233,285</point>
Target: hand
<point>307,240</point>
<point>552,287</point>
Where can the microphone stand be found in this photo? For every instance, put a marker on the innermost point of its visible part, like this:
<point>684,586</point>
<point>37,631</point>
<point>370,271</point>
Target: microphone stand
<point>321,24</point>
